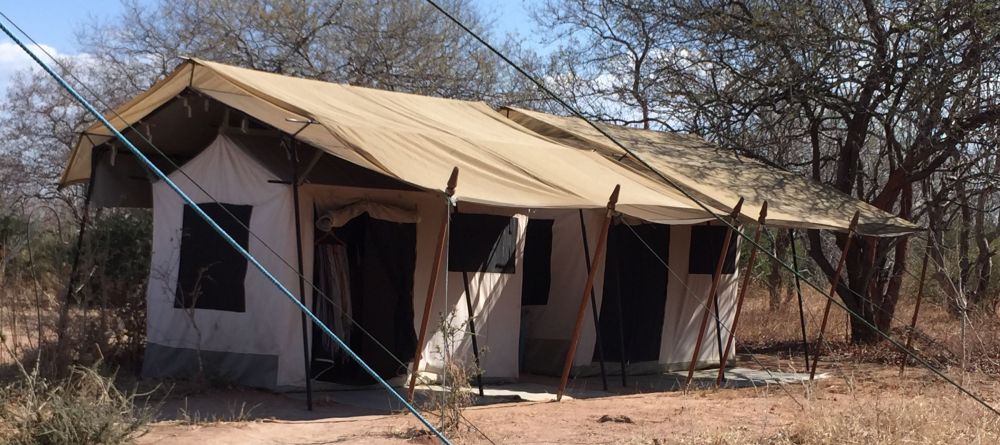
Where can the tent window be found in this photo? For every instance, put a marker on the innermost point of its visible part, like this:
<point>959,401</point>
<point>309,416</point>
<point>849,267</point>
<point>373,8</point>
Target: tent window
<point>211,272</point>
<point>537,263</point>
<point>482,243</point>
<point>706,245</point>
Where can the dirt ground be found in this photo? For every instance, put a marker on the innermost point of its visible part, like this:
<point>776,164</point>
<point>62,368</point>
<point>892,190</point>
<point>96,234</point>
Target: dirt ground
<point>793,414</point>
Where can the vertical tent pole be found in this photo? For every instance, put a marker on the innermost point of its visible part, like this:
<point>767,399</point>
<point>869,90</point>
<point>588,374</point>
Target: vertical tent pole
<point>593,303</point>
<point>432,284</point>
<point>578,327</point>
<point>472,330</point>
<point>834,281</point>
<point>916,309</point>
<point>716,278</point>
<point>621,317</point>
<point>294,152</point>
<point>798,290</point>
<point>748,272</point>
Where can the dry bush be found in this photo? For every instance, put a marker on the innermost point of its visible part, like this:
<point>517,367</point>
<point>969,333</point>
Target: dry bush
<point>84,408</point>
<point>456,393</point>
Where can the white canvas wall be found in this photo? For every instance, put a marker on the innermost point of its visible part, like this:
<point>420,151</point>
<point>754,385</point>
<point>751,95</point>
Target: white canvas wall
<point>548,328</point>
<point>270,326</point>
<point>684,310</point>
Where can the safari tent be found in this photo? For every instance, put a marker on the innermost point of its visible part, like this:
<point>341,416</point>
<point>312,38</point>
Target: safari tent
<point>349,196</point>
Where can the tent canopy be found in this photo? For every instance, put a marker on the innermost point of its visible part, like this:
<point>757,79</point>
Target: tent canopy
<point>532,160</point>
<point>719,177</point>
<point>415,139</point>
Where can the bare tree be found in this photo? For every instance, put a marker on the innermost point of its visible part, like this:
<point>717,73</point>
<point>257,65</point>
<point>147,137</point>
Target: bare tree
<point>870,97</point>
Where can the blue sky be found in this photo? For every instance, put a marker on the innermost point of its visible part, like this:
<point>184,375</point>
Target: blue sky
<point>54,23</point>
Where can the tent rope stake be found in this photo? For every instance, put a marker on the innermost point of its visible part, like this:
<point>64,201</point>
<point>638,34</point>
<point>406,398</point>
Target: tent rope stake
<point>916,308</point>
<point>432,283</point>
<point>723,253</point>
<point>834,282</point>
<point>219,230</point>
<point>595,264</point>
<point>748,274</point>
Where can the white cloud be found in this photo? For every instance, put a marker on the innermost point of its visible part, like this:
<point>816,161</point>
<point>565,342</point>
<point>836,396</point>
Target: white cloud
<point>13,59</point>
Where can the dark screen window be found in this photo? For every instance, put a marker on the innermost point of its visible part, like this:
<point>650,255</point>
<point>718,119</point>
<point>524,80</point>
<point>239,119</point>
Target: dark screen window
<point>537,263</point>
<point>706,246</point>
<point>482,243</point>
<point>211,272</point>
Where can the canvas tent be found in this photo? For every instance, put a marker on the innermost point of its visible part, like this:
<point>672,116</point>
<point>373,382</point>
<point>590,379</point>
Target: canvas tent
<point>368,169</point>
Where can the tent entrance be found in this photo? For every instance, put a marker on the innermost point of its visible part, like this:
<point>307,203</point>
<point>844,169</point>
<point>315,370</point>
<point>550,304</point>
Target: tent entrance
<point>635,290</point>
<point>365,268</point>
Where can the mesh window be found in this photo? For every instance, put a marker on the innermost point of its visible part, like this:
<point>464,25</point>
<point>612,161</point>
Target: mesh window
<point>482,243</point>
<point>211,272</point>
<point>706,246</point>
<point>537,263</point>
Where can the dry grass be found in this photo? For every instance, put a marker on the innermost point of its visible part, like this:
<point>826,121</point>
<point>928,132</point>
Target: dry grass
<point>85,408</point>
<point>938,336</point>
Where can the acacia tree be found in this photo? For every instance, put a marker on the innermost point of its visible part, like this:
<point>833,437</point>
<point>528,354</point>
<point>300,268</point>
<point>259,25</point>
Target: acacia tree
<point>870,97</point>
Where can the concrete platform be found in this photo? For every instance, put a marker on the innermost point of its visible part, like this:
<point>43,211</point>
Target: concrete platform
<point>534,388</point>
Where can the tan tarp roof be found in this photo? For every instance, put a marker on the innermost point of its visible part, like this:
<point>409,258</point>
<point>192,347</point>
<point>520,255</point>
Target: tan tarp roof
<point>532,160</point>
<point>415,139</point>
<point>720,177</point>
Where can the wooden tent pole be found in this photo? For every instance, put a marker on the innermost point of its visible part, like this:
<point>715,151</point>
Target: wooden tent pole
<point>472,331</point>
<point>432,284</point>
<point>916,310</point>
<point>716,278</point>
<point>798,290</point>
<point>595,264</point>
<point>293,149</point>
<point>834,281</point>
<point>748,273</point>
<point>593,303</point>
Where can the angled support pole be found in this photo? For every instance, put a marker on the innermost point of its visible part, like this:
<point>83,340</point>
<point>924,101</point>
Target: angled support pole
<point>594,265</point>
<point>709,302</point>
<point>743,292</point>
<point>834,281</point>
<point>916,310</point>
<point>432,283</point>
<point>593,304</point>
<point>798,290</point>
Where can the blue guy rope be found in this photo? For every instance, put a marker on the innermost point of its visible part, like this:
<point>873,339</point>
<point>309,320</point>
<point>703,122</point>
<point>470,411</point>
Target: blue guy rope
<point>218,229</point>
